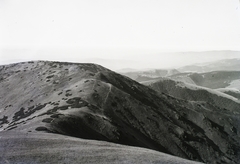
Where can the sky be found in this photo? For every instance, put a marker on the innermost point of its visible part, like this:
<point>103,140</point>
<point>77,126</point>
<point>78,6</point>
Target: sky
<point>119,33</point>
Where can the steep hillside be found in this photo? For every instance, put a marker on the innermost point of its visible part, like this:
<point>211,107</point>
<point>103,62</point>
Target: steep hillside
<point>92,102</point>
<point>150,74</point>
<point>226,64</point>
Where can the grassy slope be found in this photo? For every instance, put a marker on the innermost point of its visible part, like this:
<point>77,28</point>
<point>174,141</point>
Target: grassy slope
<point>29,148</point>
<point>89,101</point>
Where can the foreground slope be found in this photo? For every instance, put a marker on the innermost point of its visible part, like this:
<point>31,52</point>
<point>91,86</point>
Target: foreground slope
<point>92,102</point>
<point>34,148</point>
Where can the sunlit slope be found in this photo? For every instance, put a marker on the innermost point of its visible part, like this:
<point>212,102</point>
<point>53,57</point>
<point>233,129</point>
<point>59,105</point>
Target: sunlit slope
<point>27,148</point>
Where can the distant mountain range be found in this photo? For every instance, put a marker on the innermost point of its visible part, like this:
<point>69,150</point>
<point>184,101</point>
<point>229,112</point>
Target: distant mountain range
<point>48,108</point>
<point>149,74</point>
<point>226,65</point>
<point>219,74</point>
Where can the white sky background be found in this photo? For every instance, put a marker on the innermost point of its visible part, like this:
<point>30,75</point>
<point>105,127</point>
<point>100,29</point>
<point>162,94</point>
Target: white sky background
<point>119,33</point>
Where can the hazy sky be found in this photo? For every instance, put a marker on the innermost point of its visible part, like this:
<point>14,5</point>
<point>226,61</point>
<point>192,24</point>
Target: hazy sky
<point>117,30</point>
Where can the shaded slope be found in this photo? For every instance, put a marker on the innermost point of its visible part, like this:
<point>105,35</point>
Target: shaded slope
<point>89,101</point>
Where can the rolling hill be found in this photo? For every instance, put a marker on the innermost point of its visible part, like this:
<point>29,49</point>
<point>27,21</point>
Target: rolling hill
<point>214,80</point>
<point>219,74</point>
<point>89,101</point>
<point>192,92</point>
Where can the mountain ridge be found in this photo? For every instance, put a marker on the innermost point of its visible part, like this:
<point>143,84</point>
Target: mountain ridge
<point>220,65</point>
<point>92,102</point>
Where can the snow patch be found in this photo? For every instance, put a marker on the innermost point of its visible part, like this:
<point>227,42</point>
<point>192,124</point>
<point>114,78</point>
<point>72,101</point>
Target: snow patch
<point>234,84</point>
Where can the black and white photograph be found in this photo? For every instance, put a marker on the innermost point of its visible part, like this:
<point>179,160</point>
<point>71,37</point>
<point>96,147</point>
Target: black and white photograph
<point>119,81</point>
